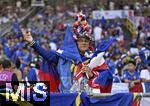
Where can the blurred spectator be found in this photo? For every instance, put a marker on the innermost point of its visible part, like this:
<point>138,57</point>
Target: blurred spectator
<point>145,76</point>
<point>25,72</point>
<point>49,25</point>
<point>25,58</point>
<point>103,22</point>
<point>97,33</point>
<point>16,69</point>
<point>1,67</point>
<point>138,62</point>
<point>144,53</point>
<point>33,71</point>
<point>2,54</point>
<point>132,77</point>
<point>8,75</point>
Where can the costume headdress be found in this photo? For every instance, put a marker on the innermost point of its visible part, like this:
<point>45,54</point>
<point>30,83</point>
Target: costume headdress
<point>81,28</point>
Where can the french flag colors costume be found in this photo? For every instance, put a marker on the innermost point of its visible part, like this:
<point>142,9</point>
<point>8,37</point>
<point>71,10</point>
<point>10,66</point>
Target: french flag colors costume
<point>60,64</point>
<point>102,78</point>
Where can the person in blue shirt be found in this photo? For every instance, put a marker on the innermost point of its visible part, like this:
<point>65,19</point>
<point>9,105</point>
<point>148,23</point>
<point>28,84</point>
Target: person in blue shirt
<point>32,74</point>
<point>24,59</point>
<point>144,52</point>
<point>132,76</point>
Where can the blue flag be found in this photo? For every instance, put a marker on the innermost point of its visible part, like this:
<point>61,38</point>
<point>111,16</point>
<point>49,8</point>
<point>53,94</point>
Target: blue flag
<point>74,99</point>
<point>120,99</point>
<point>63,99</point>
<point>69,48</point>
<point>103,46</point>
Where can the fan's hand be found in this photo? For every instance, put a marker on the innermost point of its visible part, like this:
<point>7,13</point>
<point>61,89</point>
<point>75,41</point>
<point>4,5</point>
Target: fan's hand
<point>27,36</point>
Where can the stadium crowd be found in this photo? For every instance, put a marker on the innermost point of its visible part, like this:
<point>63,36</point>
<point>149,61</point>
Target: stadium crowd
<point>128,61</point>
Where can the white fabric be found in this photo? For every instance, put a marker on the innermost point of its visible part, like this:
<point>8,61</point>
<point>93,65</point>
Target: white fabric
<point>120,88</point>
<point>145,101</point>
<point>97,60</point>
<point>97,33</point>
<point>53,46</point>
<point>94,90</point>
<point>143,86</point>
<point>145,74</point>
<point>134,50</point>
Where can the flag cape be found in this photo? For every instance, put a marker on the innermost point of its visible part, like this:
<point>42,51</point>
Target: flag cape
<point>69,48</point>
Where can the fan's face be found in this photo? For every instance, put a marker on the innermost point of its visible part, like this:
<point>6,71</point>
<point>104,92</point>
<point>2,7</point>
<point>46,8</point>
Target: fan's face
<point>83,44</point>
<point>131,67</point>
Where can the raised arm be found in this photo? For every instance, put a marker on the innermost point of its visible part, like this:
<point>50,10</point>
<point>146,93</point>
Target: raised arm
<point>47,55</point>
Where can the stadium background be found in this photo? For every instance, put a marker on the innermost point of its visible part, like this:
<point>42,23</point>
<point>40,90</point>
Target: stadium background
<point>48,19</point>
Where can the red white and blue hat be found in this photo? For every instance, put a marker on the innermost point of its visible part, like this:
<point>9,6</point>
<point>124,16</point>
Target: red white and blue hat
<point>81,28</point>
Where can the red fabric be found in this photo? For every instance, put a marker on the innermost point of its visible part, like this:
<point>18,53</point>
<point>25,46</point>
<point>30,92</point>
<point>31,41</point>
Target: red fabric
<point>103,88</point>
<point>106,88</point>
<point>136,103</point>
<point>78,73</point>
<point>98,68</point>
<point>137,88</point>
<point>54,84</point>
<point>91,82</point>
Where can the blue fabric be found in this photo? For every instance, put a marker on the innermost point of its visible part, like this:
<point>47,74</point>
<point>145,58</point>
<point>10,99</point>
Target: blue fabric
<point>69,54</point>
<point>121,99</point>
<point>50,68</point>
<point>65,74</point>
<point>26,59</point>
<point>131,77</point>
<point>147,87</point>
<point>144,54</point>
<point>7,52</point>
<point>69,47</point>
<point>66,99</point>
<point>20,53</point>
<point>103,22</point>
<point>116,79</point>
<point>49,56</point>
<point>103,46</point>
<point>32,75</point>
<point>63,67</point>
<point>105,78</point>
<point>111,66</point>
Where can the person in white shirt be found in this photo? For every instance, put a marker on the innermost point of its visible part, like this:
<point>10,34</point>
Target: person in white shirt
<point>97,33</point>
<point>145,76</point>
